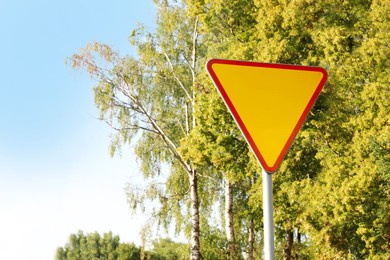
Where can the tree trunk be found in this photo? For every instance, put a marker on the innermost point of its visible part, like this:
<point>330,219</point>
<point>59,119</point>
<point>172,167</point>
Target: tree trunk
<point>251,231</point>
<point>251,239</point>
<point>288,246</point>
<point>229,219</point>
<point>299,242</point>
<point>195,242</point>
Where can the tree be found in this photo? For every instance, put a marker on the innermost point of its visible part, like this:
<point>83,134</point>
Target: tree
<point>166,249</point>
<point>217,143</point>
<point>352,190</point>
<point>214,146</point>
<point>151,100</point>
<point>331,168</point>
<point>95,246</point>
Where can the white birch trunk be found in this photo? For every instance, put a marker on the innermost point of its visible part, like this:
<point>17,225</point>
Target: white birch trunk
<point>195,242</point>
<point>229,219</point>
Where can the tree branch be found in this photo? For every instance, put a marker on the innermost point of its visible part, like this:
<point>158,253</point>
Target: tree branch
<point>194,44</point>
<point>176,77</point>
<point>213,180</point>
<point>133,127</point>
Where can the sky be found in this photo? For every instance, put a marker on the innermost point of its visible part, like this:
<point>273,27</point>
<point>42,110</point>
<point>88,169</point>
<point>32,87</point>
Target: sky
<point>56,174</point>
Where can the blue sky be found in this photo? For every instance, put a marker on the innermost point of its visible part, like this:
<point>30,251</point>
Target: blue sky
<point>56,176</point>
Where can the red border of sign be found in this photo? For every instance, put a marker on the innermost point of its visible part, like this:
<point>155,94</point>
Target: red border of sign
<point>267,168</point>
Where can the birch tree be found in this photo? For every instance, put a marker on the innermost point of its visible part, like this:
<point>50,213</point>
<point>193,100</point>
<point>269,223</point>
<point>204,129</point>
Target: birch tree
<point>217,142</point>
<point>150,100</point>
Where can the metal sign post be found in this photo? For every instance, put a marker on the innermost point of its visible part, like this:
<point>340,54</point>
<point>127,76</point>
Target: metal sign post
<point>268,216</point>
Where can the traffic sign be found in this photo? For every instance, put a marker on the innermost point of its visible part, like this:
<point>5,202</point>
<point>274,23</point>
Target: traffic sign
<point>268,101</point>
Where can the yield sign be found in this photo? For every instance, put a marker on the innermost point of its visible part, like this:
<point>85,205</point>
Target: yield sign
<point>268,101</point>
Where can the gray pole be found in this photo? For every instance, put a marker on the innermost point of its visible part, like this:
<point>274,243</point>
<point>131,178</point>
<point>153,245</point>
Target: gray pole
<point>268,216</point>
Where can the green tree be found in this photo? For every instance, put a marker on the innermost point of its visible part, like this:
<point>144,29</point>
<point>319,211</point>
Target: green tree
<point>348,217</point>
<point>151,101</point>
<point>168,249</point>
<point>322,188</point>
<point>217,143</point>
<point>95,246</point>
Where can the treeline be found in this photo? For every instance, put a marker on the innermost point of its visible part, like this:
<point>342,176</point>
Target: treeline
<point>108,247</point>
<point>331,193</point>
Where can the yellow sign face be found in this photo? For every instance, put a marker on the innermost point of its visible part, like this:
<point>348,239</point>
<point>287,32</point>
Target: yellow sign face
<point>268,101</point>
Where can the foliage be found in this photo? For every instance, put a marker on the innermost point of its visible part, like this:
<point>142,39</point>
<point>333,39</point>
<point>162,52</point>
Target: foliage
<point>95,246</point>
<point>341,155</point>
<point>166,249</point>
<point>350,216</point>
<point>151,101</point>
<point>331,193</point>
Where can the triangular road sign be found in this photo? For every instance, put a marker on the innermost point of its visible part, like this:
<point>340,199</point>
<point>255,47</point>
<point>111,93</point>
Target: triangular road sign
<point>268,101</point>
